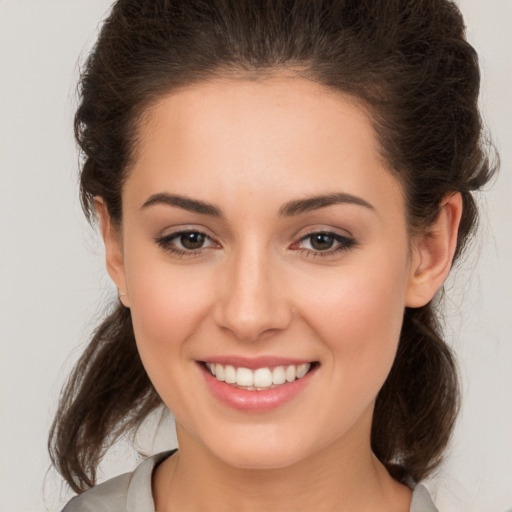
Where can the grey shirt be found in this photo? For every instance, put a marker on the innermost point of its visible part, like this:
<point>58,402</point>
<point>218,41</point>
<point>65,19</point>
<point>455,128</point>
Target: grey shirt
<point>131,492</point>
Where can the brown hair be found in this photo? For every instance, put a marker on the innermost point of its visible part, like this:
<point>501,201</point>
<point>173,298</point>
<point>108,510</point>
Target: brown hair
<point>407,60</point>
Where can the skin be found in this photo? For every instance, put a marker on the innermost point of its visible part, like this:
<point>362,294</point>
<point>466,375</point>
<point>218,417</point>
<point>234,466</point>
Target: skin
<point>259,287</point>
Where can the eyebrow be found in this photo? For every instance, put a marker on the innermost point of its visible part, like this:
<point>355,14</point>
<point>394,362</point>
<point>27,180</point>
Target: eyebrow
<point>186,203</point>
<point>289,209</point>
<point>316,202</point>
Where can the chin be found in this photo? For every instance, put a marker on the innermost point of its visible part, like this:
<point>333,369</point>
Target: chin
<point>254,459</point>
<point>261,452</point>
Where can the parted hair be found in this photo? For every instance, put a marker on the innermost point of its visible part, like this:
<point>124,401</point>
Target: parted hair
<point>407,62</point>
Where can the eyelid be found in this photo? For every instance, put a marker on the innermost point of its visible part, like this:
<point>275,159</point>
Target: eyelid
<point>322,228</point>
<point>165,241</point>
<point>345,242</point>
<point>185,228</point>
<point>342,242</point>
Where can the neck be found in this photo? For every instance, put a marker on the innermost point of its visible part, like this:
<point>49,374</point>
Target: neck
<point>342,477</point>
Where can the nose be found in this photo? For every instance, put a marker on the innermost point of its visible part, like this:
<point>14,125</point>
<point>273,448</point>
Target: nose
<point>252,303</point>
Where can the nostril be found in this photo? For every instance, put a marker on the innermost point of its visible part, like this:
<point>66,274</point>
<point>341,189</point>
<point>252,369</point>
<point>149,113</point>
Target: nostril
<point>252,324</point>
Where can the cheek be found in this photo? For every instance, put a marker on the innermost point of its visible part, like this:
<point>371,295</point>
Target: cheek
<point>358,316</point>
<point>166,306</point>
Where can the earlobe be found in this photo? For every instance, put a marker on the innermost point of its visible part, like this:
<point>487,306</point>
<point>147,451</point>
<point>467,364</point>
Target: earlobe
<point>113,249</point>
<point>433,253</point>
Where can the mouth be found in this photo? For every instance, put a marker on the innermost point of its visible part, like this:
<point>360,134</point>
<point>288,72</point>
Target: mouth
<point>259,379</point>
<point>257,385</point>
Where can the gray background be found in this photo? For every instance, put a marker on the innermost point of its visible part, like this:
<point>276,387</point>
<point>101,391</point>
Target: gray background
<point>53,285</point>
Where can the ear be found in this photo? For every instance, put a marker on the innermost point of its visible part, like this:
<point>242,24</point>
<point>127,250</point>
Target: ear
<point>113,249</point>
<point>433,253</point>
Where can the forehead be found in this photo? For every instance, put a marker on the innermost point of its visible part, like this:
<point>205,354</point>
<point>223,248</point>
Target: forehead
<point>280,108</point>
<point>280,136</point>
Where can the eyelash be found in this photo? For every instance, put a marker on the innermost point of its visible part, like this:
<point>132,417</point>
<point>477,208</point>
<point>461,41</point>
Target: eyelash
<point>166,243</point>
<point>343,244</point>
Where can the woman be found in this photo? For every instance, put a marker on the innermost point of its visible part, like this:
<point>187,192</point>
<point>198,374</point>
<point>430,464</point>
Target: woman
<point>282,188</point>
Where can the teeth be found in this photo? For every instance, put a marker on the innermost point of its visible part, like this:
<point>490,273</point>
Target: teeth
<point>219,372</point>
<point>261,378</point>
<point>244,377</point>
<point>278,375</point>
<point>302,370</point>
<point>230,374</point>
<point>290,373</point>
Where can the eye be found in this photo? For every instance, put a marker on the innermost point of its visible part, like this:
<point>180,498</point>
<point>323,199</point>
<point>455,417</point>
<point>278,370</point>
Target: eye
<point>323,243</point>
<point>185,243</point>
<point>192,240</point>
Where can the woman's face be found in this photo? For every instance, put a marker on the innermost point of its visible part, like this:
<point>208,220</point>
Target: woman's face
<point>263,236</point>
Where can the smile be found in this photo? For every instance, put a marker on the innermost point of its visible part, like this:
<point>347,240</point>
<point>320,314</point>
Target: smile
<point>258,384</point>
<point>259,379</point>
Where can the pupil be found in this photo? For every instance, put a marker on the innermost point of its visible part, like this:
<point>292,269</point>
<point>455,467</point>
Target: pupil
<point>322,241</point>
<point>192,240</point>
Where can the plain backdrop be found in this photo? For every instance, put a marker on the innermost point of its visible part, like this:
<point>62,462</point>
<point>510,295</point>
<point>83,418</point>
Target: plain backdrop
<point>53,285</point>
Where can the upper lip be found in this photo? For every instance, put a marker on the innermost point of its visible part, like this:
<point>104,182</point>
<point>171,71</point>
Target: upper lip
<point>255,362</point>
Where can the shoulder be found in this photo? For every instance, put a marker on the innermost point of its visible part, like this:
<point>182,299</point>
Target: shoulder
<point>108,496</point>
<point>421,500</point>
<point>130,492</point>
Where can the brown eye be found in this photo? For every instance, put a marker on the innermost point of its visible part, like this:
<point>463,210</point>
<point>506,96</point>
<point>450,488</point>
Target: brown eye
<point>192,240</point>
<point>186,243</point>
<point>321,241</point>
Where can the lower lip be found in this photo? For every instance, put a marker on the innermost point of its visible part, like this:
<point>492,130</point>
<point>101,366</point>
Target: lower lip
<point>264,400</point>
